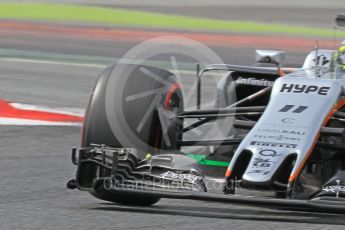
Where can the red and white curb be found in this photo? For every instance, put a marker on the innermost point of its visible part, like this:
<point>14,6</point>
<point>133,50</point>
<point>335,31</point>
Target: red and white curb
<point>25,114</point>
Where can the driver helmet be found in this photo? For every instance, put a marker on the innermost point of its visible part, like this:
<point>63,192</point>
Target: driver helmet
<point>341,55</point>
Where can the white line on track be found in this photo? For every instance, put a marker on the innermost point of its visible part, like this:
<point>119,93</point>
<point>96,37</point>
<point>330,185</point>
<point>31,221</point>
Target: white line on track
<point>35,115</point>
<point>53,62</point>
<point>88,65</point>
<point>64,110</point>
<point>28,122</point>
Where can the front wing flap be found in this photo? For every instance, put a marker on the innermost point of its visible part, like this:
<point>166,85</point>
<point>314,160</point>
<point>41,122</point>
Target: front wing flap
<point>173,183</point>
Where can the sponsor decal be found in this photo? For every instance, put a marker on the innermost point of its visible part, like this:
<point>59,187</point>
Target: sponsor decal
<point>321,60</point>
<point>284,131</point>
<point>293,132</point>
<point>273,144</point>
<point>288,120</point>
<point>181,176</point>
<point>294,108</point>
<point>261,165</point>
<point>259,171</point>
<point>278,137</point>
<point>322,64</point>
<point>282,138</point>
<point>306,89</point>
<point>261,162</point>
<point>269,130</point>
<point>269,153</point>
<point>285,126</point>
<point>334,188</point>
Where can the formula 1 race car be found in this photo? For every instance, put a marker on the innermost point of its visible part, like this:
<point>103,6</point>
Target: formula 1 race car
<point>284,145</point>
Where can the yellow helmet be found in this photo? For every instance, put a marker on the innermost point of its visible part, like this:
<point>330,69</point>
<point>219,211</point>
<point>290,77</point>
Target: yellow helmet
<point>341,55</point>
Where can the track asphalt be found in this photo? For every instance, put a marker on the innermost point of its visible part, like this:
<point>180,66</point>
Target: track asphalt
<point>58,70</point>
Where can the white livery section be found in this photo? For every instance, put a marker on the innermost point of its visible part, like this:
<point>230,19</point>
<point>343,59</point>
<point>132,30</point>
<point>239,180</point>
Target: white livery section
<point>291,123</point>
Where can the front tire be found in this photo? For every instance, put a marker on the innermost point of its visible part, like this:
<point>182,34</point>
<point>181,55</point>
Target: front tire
<point>97,130</point>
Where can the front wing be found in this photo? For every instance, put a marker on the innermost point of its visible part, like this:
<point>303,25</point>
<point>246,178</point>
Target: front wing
<point>136,181</point>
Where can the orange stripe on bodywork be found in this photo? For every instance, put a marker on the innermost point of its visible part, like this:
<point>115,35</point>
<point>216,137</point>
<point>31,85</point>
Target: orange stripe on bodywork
<point>339,105</point>
<point>281,72</point>
<point>228,173</point>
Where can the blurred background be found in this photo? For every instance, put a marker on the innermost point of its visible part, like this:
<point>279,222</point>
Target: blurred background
<point>51,53</point>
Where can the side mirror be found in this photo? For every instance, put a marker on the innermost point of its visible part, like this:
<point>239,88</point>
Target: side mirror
<point>270,56</point>
<point>340,20</point>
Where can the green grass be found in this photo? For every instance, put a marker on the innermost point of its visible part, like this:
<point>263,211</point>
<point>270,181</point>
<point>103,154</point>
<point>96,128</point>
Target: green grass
<point>92,14</point>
